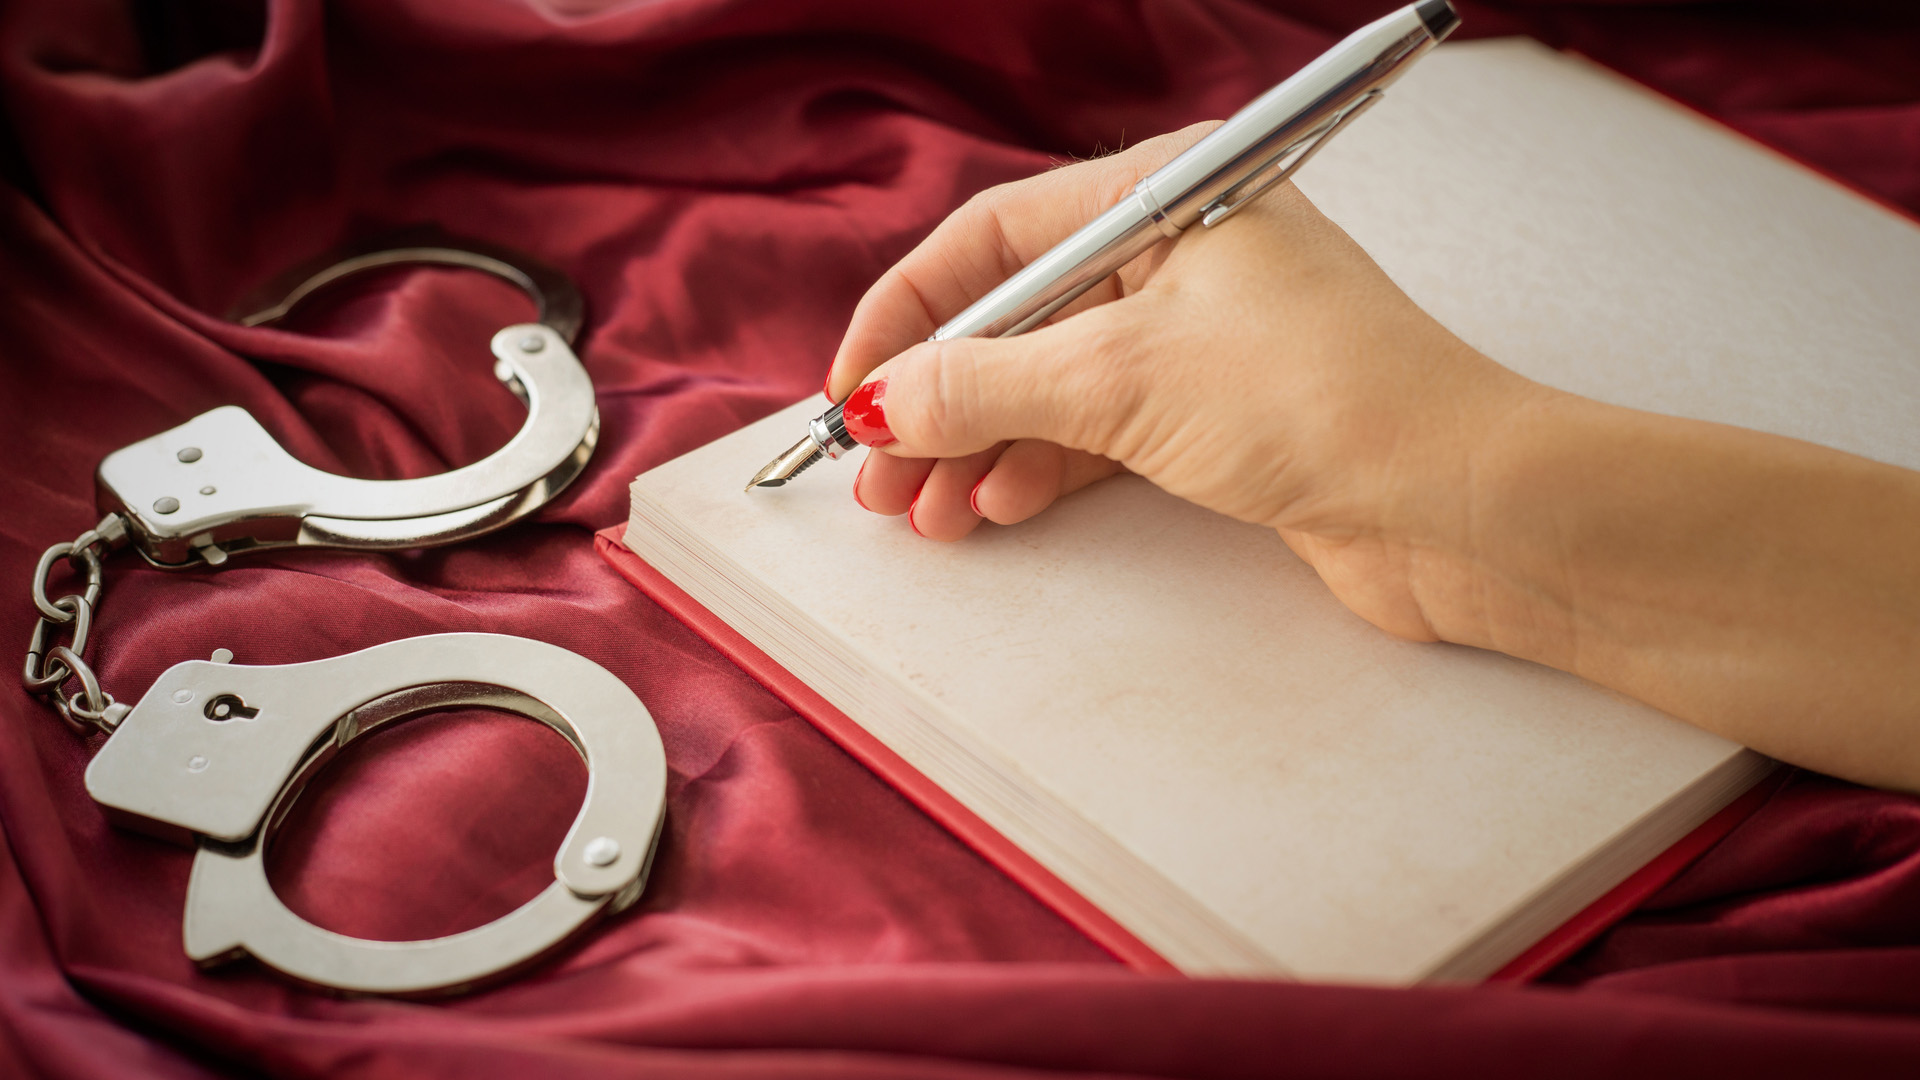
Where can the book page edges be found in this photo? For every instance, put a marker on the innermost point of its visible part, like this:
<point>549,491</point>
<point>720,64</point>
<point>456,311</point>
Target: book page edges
<point>1590,881</point>
<point>882,761</point>
<point>1620,901</point>
<point>1560,918</point>
<point>1086,859</point>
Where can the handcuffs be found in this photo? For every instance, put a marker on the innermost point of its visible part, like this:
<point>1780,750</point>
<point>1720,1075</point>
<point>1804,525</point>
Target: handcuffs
<point>215,754</point>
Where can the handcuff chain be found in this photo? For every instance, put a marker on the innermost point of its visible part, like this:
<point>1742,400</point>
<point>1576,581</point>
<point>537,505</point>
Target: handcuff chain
<point>50,666</point>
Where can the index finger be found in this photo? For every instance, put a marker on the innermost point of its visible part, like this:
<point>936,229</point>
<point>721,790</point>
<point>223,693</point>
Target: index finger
<point>983,243</point>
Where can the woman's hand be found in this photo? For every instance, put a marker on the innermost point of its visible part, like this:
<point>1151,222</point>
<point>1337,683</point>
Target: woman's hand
<point>1266,369</point>
<point>1763,588</point>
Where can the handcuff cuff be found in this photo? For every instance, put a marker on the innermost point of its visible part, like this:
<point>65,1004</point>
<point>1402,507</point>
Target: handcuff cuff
<point>215,754</point>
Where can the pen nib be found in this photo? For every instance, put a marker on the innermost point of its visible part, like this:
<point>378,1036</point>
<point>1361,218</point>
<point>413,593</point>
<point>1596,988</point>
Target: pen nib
<point>787,465</point>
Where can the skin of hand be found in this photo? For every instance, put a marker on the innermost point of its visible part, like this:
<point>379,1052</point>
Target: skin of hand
<point>1764,588</point>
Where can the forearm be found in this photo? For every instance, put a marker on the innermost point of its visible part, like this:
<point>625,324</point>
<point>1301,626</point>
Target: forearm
<point>1761,587</point>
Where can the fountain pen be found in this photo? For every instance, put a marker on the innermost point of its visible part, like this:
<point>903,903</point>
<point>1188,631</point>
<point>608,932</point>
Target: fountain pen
<point>1257,147</point>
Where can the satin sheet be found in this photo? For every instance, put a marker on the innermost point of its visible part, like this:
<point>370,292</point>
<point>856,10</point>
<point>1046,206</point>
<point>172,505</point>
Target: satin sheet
<point>724,179</point>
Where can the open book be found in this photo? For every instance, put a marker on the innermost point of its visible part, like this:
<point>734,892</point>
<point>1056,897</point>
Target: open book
<point>1162,721</point>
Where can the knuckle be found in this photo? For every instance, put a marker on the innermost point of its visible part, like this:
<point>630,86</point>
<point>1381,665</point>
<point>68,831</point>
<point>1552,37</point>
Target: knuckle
<point>1110,344</point>
<point>978,204</point>
<point>956,398</point>
<point>1102,384</point>
<point>934,392</point>
<point>985,208</point>
<point>982,220</point>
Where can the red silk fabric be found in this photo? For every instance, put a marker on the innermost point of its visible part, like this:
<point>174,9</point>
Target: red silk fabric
<point>724,179</point>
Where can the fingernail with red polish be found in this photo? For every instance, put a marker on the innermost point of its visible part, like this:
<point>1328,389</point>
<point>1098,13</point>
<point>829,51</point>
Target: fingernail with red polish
<point>865,414</point>
<point>826,388</point>
<point>911,507</point>
<point>973,497</point>
<point>856,485</point>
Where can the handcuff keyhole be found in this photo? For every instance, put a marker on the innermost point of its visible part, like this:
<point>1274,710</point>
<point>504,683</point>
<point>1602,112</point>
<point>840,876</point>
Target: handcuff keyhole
<point>230,707</point>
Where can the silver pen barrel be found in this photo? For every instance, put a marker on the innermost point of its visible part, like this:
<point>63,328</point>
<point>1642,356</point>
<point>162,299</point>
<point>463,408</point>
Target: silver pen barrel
<point>1055,279</point>
<point>1257,147</point>
<point>1273,135</point>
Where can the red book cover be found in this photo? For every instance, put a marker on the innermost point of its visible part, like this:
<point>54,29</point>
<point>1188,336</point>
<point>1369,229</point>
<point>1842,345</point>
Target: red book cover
<point>1036,878</point>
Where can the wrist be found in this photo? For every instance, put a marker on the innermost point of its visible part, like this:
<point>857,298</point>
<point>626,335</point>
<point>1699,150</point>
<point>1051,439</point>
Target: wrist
<point>1420,534</point>
<point>1488,543</point>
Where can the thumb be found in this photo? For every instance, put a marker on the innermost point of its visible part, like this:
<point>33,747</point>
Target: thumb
<point>1070,383</point>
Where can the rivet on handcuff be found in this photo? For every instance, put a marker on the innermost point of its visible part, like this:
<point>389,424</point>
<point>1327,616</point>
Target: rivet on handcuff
<point>215,753</point>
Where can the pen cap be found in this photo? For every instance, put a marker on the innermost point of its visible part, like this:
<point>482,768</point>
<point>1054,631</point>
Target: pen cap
<point>1294,113</point>
<point>1439,17</point>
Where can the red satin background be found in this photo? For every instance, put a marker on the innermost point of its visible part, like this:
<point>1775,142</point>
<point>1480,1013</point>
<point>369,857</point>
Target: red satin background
<point>724,179</point>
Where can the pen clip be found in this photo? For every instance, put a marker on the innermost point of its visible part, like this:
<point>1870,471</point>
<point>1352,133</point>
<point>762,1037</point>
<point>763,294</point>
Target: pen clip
<point>1285,162</point>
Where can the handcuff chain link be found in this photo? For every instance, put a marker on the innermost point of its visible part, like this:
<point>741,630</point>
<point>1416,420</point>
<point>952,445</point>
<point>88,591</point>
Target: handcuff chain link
<point>51,666</point>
